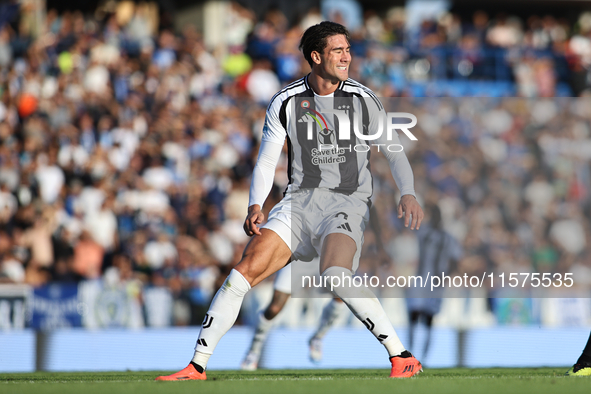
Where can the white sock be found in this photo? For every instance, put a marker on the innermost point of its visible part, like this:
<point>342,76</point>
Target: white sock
<point>367,308</point>
<point>260,335</point>
<point>221,316</point>
<point>201,359</point>
<point>329,315</point>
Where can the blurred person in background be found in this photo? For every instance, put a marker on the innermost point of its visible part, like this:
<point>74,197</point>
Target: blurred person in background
<point>102,225</point>
<point>583,365</point>
<point>11,268</point>
<point>38,237</point>
<point>439,252</point>
<point>88,257</point>
<point>266,319</point>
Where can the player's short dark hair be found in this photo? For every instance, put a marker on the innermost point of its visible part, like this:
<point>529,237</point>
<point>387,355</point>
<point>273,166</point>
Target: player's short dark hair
<point>315,37</point>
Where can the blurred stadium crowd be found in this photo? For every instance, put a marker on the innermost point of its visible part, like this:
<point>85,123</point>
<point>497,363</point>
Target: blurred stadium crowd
<point>127,149</point>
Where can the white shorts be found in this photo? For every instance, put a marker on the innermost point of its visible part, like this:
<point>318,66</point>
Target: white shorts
<point>304,218</point>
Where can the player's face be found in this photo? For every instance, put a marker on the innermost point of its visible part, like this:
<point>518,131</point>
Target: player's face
<point>335,59</point>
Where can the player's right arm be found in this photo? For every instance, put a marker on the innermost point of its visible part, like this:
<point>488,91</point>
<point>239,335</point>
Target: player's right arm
<point>264,170</point>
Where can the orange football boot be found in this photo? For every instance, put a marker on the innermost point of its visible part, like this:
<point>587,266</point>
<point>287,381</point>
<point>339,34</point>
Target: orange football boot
<point>405,365</point>
<point>189,373</point>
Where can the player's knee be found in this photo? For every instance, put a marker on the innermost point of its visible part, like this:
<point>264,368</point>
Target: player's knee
<point>252,266</point>
<point>247,271</point>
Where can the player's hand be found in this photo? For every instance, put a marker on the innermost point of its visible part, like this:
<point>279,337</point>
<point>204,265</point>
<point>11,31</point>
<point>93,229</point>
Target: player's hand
<point>410,207</point>
<point>253,219</point>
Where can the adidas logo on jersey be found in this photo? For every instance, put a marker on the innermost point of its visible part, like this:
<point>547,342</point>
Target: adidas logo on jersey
<point>345,226</point>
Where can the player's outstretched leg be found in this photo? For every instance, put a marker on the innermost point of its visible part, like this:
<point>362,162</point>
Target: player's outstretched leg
<point>329,315</point>
<point>583,364</point>
<point>264,325</point>
<point>338,252</point>
<point>367,308</point>
<point>222,314</point>
<point>264,255</point>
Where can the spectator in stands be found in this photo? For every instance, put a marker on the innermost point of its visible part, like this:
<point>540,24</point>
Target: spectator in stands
<point>88,257</point>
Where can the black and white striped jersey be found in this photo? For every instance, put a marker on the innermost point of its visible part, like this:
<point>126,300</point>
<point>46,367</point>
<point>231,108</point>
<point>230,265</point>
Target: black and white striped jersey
<point>438,249</point>
<point>318,157</point>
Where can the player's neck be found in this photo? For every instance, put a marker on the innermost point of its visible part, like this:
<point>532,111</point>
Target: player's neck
<point>322,86</point>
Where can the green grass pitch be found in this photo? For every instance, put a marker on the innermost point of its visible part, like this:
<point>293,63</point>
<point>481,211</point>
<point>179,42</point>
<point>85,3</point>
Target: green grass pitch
<point>436,381</point>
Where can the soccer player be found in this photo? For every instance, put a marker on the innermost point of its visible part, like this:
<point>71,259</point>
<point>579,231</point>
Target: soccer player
<point>326,204</point>
<point>281,293</point>
<point>583,365</point>
<point>439,252</point>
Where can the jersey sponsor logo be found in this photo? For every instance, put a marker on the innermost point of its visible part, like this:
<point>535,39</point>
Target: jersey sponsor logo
<point>325,137</point>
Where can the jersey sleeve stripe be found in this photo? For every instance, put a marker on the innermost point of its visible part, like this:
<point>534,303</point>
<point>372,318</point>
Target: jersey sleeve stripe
<point>292,85</point>
<point>351,83</point>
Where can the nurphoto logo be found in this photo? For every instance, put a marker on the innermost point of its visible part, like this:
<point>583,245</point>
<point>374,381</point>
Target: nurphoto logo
<point>332,143</point>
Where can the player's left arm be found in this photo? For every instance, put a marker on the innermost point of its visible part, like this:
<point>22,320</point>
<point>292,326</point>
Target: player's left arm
<point>401,171</point>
